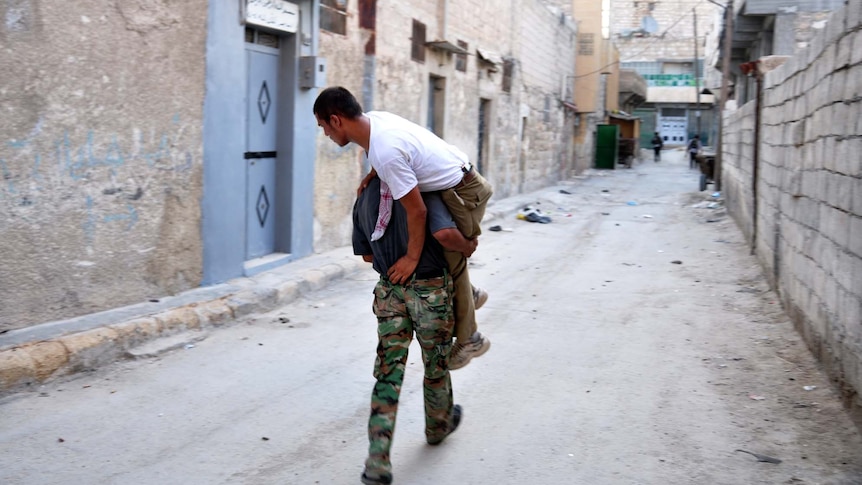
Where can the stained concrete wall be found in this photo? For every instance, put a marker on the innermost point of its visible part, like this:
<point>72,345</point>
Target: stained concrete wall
<point>376,65</point>
<point>100,156</point>
<point>809,192</point>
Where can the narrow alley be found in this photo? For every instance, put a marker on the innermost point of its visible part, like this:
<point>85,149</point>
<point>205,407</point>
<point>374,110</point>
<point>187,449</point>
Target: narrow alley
<point>634,341</point>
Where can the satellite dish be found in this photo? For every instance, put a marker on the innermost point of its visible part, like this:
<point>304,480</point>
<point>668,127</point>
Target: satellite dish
<point>649,25</point>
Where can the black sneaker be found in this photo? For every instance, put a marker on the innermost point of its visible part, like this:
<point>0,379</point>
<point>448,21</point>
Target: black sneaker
<point>454,421</point>
<point>370,478</point>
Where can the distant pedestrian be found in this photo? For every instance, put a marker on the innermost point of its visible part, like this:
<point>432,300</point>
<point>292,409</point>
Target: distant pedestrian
<point>693,149</point>
<point>657,145</point>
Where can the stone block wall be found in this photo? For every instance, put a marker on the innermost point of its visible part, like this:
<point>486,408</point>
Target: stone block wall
<point>100,156</point>
<point>809,224</point>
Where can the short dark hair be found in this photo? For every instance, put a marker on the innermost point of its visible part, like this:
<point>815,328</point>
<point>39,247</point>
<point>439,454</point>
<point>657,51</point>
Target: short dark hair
<point>336,101</point>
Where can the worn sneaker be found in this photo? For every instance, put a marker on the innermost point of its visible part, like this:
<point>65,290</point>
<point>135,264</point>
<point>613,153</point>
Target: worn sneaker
<point>371,478</point>
<point>480,296</point>
<point>454,421</point>
<point>463,353</point>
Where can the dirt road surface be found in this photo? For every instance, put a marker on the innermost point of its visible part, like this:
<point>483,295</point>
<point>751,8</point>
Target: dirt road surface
<point>634,341</point>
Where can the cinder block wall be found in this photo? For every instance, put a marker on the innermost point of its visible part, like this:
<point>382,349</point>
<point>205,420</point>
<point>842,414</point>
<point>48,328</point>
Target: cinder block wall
<point>809,228</point>
<point>100,154</point>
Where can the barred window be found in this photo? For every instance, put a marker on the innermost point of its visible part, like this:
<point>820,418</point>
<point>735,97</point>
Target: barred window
<point>333,16</point>
<point>417,44</point>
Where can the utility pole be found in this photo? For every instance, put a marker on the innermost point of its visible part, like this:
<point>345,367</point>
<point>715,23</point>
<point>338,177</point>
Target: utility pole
<point>696,73</point>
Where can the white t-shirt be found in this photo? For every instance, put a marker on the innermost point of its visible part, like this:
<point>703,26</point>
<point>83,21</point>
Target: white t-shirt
<point>405,155</point>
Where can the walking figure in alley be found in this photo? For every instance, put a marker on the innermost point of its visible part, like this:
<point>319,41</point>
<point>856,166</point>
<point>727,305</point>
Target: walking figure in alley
<point>421,304</point>
<point>410,160</point>
<point>657,145</point>
<point>693,149</point>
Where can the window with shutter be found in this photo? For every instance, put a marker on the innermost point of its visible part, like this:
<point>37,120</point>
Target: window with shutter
<point>417,52</point>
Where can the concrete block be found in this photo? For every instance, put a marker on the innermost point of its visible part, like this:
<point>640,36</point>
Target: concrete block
<point>855,243</point>
<point>829,151</point>
<point>853,19</point>
<point>312,280</point>
<point>16,368</point>
<point>842,56</point>
<point>288,292</point>
<point>179,319</point>
<point>811,183</point>
<point>856,52</point>
<point>855,269</point>
<point>838,227</point>
<point>835,27</point>
<point>48,357</point>
<point>215,312</point>
<point>842,191</point>
<point>90,349</point>
<point>856,198</point>
<point>247,302</point>
<point>840,118</point>
<point>837,84</point>
<point>134,332</point>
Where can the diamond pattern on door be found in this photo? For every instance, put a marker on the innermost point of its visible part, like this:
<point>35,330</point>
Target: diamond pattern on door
<point>263,102</point>
<point>262,206</point>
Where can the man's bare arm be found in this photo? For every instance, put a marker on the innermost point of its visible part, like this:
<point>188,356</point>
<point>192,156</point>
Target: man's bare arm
<point>413,204</point>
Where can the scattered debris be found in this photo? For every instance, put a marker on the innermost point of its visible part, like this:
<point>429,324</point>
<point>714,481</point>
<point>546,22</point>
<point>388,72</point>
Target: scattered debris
<point>264,438</point>
<point>762,458</point>
<point>756,398</point>
<point>283,320</point>
<point>676,261</point>
<point>565,192</point>
<point>189,346</point>
<point>606,213</point>
<point>60,440</point>
<point>533,215</point>
<point>809,388</point>
<point>631,202</point>
<point>495,228</point>
<point>646,216</point>
<point>154,300</point>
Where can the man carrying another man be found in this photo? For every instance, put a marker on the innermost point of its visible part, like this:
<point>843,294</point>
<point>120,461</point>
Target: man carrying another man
<point>409,160</point>
<point>422,304</point>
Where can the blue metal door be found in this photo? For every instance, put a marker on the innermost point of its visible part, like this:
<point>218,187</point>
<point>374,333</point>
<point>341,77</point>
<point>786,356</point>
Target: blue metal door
<point>260,155</point>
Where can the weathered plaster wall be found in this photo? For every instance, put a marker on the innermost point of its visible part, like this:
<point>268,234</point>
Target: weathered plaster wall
<point>530,33</point>
<point>100,154</point>
<point>809,203</point>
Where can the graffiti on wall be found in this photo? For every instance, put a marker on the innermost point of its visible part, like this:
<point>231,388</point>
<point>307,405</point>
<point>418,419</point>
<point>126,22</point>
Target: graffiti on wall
<point>107,174</point>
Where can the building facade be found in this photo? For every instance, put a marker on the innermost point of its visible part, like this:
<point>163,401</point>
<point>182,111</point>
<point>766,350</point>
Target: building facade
<point>149,148</point>
<point>153,148</point>
<point>486,76</point>
<point>664,42</point>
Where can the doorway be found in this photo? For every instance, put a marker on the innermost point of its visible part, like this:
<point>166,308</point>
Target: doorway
<point>260,157</point>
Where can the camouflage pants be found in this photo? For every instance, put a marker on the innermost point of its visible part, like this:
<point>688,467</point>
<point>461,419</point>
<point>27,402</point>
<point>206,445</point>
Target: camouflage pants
<point>424,307</point>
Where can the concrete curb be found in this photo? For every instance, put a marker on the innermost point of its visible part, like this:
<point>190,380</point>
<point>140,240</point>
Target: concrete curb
<point>85,343</point>
<point>26,365</point>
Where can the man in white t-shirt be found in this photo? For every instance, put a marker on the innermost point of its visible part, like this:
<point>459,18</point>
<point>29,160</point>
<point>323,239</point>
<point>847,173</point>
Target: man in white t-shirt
<point>409,160</point>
